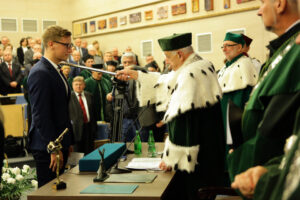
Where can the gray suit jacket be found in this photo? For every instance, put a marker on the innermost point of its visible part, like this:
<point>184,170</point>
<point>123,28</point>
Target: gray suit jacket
<point>28,57</point>
<point>76,115</point>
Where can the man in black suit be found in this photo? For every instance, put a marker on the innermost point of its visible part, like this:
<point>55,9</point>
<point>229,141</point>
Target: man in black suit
<point>49,96</point>
<point>82,115</point>
<point>10,74</point>
<point>83,51</point>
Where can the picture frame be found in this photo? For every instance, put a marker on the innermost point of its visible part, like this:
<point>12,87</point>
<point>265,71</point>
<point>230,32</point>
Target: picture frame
<point>179,9</point>
<point>102,24</point>
<point>162,12</point>
<point>135,17</point>
<point>209,5</point>
<point>113,22</point>
<point>123,20</point>
<point>84,28</point>
<point>195,6</point>
<point>226,4</point>
<point>149,15</point>
<point>77,29</point>
<point>92,26</point>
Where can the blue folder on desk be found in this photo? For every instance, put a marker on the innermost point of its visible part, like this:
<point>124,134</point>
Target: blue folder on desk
<point>90,162</point>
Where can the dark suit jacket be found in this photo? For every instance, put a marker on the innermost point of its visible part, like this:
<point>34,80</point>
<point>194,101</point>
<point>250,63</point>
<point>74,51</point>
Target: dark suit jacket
<point>49,106</point>
<point>76,115</point>
<point>6,78</point>
<point>20,55</point>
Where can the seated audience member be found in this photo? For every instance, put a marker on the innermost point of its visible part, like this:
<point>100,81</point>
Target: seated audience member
<point>83,51</point>
<point>1,53</point>
<point>29,53</point>
<point>111,66</point>
<point>115,54</point>
<point>269,114</point>
<point>5,41</point>
<point>92,51</point>
<point>97,47</point>
<point>246,49</point>
<point>152,66</point>
<point>149,58</point>
<point>195,146</point>
<point>88,62</point>
<point>22,50</point>
<point>99,87</point>
<point>76,59</point>
<point>36,57</point>
<point>129,50</point>
<point>107,57</point>
<point>10,74</point>
<point>82,115</point>
<point>66,69</point>
<point>14,56</point>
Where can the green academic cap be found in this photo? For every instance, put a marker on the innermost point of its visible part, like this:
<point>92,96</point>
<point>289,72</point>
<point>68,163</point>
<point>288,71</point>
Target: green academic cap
<point>175,41</point>
<point>237,38</point>
<point>97,66</point>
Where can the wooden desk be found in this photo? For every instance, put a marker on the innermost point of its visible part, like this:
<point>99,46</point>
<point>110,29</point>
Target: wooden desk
<point>76,183</point>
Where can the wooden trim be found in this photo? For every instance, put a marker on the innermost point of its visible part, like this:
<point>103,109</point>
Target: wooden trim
<point>121,10</point>
<point>227,12</point>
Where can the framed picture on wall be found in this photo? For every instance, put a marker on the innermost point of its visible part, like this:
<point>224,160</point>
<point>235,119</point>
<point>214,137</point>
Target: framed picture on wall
<point>84,28</point>
<point>102,24</point>
<point>179,9</point>
<point>162,12</point>
<point>242,1</point>
<point>123,20</point>
<point>209,5</point>
<point>135,17</point>
<point>77,29</point>
<point>226,4</point>
<point>149,15</point>
<point>113,22</point>
<point>195,6</point>
<point>92,26</point>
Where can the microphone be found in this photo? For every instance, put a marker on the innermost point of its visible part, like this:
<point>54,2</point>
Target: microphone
<point>116,169</point>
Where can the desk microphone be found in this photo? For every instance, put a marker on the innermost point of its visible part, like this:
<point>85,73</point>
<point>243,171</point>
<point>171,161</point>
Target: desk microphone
<point>116,169</point>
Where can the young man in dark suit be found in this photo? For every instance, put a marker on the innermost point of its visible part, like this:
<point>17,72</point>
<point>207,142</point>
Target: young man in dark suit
<point>49,95</point>
<point>82,115</point>
<point>10,74</point>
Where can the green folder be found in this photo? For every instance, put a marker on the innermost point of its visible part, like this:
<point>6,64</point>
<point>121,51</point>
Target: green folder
<point>109,189</point>
<point>131,178</point>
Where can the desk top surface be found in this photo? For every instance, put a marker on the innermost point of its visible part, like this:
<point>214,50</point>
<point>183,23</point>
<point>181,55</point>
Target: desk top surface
<point>77,182</point>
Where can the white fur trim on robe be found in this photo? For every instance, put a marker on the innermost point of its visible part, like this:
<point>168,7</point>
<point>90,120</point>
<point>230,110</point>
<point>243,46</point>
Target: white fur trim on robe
<point>193,85</point>
<point>238,75</point>
<point>180,157</point>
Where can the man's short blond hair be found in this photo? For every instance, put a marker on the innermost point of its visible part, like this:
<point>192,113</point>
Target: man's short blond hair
<point>54,33</point>
<point>78,79</point>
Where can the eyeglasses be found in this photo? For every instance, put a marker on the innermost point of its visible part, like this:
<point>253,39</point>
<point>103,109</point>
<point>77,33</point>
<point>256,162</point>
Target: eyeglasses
<point>228,45</point>
<point>68,45</point>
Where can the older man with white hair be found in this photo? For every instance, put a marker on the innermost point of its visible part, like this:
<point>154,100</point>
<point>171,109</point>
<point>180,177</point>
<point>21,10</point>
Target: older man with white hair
<point>190,96</point>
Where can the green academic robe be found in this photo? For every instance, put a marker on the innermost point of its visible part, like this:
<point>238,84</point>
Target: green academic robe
<point>270,112</point>
<point>86,74</point>
<point>282,181</point>
<point>190,98</point>
<point>99,89</point>
<point>236,79</point>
